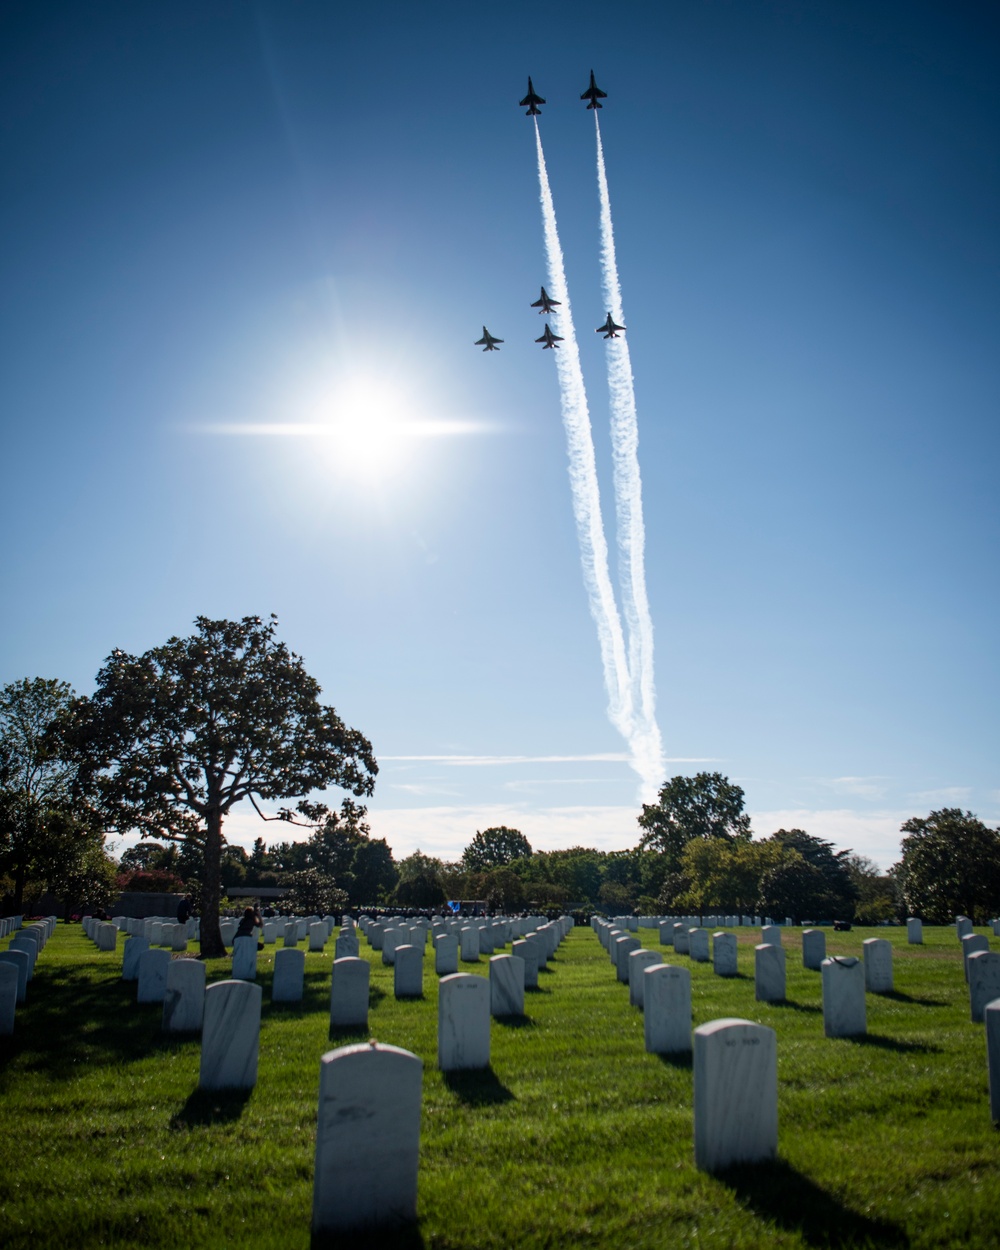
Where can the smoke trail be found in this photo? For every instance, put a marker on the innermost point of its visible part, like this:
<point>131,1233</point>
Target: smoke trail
<point>583,476</point>
<point>647,748</point>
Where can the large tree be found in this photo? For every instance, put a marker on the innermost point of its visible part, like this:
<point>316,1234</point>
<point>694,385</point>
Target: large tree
<point>950,865</point>
<point>41,828</point>
<point>174,738</point>
<point>707,805</point>
<point>837,898</point>
<point>495,848</point>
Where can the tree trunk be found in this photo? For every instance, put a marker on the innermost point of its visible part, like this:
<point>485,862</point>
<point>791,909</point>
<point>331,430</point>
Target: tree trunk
<point>20,876</point>
<point>212,945</point>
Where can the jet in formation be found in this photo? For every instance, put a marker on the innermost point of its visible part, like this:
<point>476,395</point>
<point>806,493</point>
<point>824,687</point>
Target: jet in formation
<point>548,338</point>
<point>489,341</point>
<point>532,100</point>
<point>609,329</point>
<point>545,304</point>
<point>593,94</point>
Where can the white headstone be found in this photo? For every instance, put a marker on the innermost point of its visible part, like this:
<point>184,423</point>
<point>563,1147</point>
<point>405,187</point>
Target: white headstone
<point>984,982</point>
<point>624,946</point>
<point>681,940</point>
<point>878,965</point>
<point>638,962</point>
<point>914,931</point>
<point>391,938</point>
<point>527,952</point>
<point>8,997</point>
<point>844,1009</point>
<point>289,975</point>
<point>991,1015</point>
<point>346,945</point>
<point>184,1000</point>
<point>317,935</point>
<point>291,936</point>
<point>666,1011</point>
<point>378,1089</point>
<point>445,954</point>
<point>349,993</point>
<point>666,928</point>
<point>469,938</point>
<point>769,973</point>
<point>770,935</point>
<point>963,926</point>
<point>107,936</point>
<point>18,960</point>
<point>463,1022</point>
<point>408,976</point>
<point>152,987</point>
<point>230,1035</point>
<point>971,944</point>
<point>245,959</point>
<point>506,985</point>
<point>724,957</point>
<point>813,949</point>
<point>735,1094</point>
<point>698,945</point>
<point>178,937</point>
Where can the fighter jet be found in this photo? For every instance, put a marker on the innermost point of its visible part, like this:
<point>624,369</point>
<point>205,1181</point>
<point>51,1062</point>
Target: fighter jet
<point>489,340</point>
<point>545,304</point>
<point>548,338</point>
<point>593,94</point>
<point>532,101</point>
<point>609,329</point>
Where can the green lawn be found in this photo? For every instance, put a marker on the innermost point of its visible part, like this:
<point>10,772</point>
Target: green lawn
<point>574,1137</point>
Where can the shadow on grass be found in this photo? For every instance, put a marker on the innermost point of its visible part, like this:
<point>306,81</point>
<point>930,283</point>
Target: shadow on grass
<point>211,1106</point>
<point>677,1059</point>
<point>893,1043</point>
<point>405,1237</point>
<point>515,1022</point>
<point>537,989</point>
<point>897,996</point>
<point>778,1192</point>
<point>477,1087</point>
<point>812,1008</point>
<point>345,1034</point>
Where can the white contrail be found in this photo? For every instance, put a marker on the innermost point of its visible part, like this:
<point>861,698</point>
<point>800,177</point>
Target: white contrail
<point>646,743</point>
<point>583,476</point>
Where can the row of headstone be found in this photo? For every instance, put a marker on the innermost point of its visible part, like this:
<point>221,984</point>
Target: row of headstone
<point>17,965</point>
<point>8,924</point>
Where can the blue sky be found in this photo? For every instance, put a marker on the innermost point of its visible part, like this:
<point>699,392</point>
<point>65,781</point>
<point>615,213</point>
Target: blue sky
<point>301,214</point>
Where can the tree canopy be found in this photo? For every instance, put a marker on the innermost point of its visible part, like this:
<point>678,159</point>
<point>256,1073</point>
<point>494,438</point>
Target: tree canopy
<point>174,738</point>
<point>707,805</point>
<point>495,848</point>
<point>950,866</point>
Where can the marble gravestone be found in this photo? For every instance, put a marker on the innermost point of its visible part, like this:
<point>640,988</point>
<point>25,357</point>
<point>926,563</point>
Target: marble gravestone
<point>107,936</point>
<point>914,931</point>
<point>152,978</point>
<point>770,935</point>
<point>345,945</point>
<point>813,949</point>
<point>445,954</point>
<point>735,1094</point>
<point>349,993</point>
<point>844,1009</point>
<point>972,944</point>
<point>391,938</point>
<point>984,982</point>
<point>408,974</point>
<point>506,985</point>
<point>624,946</point>
<point>681,942</point>
<point>134,947</point>
<point>469,939</point>
<point>991,1015</point>
<point>30,948</point>
<point>184,999</point>
<point>291,935</point>
<point>666,929</point>
<point>19,960</point>
<point>638,962</point>
<point>963,927</point>
<point>178,938</point>
<point>698,947</point>
<point>724,959</point>
<point>230,1035</point>
<point>245,959</point>
<point>878,965</point>
<point>463,1022</point>
<point>666,1009</point>
<point>8,997</point>
<point>380,1088</point>
<point>526,951</point>
<point>317,935</point>
<point>769,973</point>
<point>288,981</point>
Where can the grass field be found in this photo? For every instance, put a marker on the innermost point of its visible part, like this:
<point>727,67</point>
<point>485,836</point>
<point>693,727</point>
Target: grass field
<point>574,1136</point>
